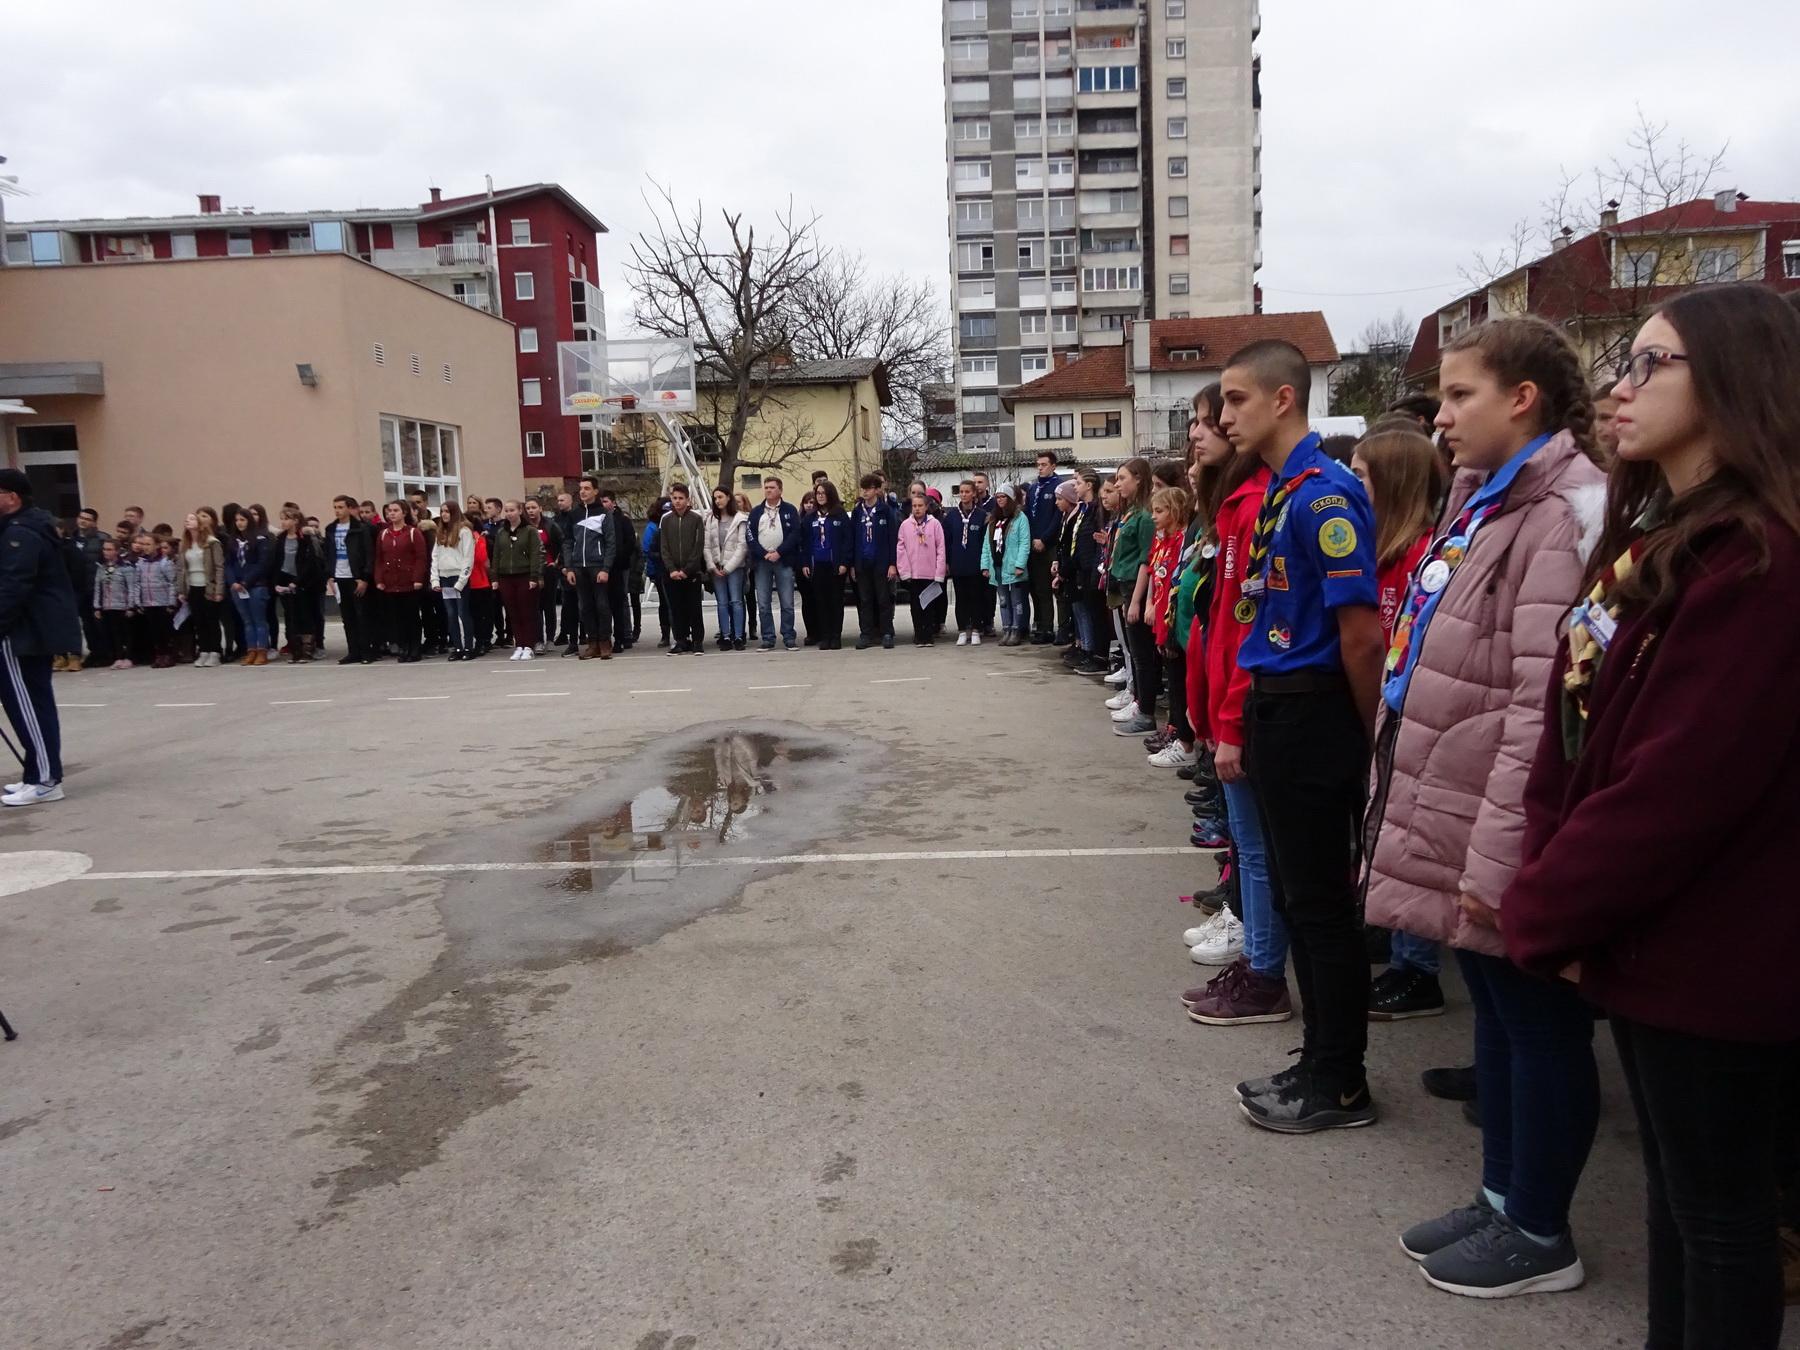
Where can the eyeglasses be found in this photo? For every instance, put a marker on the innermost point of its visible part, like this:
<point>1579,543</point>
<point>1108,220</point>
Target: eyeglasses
<point>1641,367</point>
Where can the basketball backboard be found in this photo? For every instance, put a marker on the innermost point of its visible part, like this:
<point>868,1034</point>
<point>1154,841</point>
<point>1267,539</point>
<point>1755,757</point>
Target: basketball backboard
<point>620,375</point>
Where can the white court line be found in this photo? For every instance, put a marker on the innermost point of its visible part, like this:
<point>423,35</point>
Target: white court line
<point>535,693</point>
<point>992,673</point>
<point>905,679</point>
<point>418,698</point>
<point>748,686</point>
<point>659,691</point>
<point>633,864</point>
<point>184,705</point>
<point>81,705</point>
<point>289,702</point>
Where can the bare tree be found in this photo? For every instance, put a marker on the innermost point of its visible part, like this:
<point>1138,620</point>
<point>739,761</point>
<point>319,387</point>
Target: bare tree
<point>1369,380</point>
<point>841,312</point>
<point>735,293</point>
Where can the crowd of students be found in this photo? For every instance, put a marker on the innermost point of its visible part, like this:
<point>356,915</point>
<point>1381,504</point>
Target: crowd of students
<point>1459,691</point>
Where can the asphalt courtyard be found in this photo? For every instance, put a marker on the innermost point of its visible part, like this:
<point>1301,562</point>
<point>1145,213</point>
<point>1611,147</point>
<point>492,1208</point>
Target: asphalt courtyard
<point>806,1000</point>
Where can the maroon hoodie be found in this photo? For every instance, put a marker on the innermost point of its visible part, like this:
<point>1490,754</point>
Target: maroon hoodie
<point>1663,859</point>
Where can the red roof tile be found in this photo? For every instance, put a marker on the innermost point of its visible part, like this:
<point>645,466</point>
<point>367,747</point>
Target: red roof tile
<point>1218,337</point>
<point>1099,374</point>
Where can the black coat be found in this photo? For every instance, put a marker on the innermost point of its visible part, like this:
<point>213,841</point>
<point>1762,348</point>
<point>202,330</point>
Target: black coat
<point>359,549</point>
<point>38,616</point>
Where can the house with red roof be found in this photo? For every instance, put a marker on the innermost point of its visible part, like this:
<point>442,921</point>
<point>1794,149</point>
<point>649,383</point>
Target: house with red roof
<point>1602,285</point>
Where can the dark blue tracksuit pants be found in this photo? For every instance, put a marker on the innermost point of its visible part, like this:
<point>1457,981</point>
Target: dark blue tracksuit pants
<point>31,708</point>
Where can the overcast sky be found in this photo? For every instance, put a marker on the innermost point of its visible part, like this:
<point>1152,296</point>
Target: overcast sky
<point>1398,138</point>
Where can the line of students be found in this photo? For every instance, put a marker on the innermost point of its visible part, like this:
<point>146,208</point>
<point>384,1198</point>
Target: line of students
<point>1480,701</point>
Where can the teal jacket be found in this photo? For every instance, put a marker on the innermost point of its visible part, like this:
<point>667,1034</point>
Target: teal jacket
<point>1015,557</point>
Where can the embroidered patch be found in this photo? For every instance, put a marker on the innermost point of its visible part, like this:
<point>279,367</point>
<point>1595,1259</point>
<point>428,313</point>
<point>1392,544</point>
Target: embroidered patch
<point>1278,580</point>
<point>1281,637</point>
<point>1281,520</point>
<point>1326,503</point>
<point>1346,572</point>
<point>1337,538</point>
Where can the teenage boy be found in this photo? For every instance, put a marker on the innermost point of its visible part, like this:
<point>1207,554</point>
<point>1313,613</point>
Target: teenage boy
<point>775,542</point>
<point>965,537</point>
<point>589,554</point>
<point>1045,519</point>
<point>680,552</point>
<point>1313,648</point>
<point>350,554</point>
<point>875,533</point>
<point>984,496</point>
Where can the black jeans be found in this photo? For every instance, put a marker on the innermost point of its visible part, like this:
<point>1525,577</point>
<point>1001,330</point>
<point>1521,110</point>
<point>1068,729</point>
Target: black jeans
<point>1308,759</point>
<point>927,620</point>
<point>1175,681</point>
<point>684,602</point>
<point>1537,1085</point>
<point>1146,667</point>
<point>594,601</point>
<point>618,600</point>
<point>203,620</point>
<point>1043,597</point>
<point>400,621</point>
<point>1708,1117</point>
<point>971,601</point>
<point>355,611</point>
<point>826,587</point>
<point>874,601</point>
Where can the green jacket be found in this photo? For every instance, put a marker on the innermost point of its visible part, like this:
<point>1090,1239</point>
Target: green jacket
<point>516,553</point>
<point>1013,559</point>
<point>1131,547</point>
<point>681,543</point>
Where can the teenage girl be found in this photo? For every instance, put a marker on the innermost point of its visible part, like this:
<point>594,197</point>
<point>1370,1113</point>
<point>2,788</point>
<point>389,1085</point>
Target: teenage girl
<point>157,599</point>
<point>115,600</point>
<point>1004,560</point>
<point>247,578</point>
<point>1665,790</point>
<point>1171,508</point>
<point>1462,715</point>
<point>203,563</point>
<point>1129,574</point>
<point>452,561</point>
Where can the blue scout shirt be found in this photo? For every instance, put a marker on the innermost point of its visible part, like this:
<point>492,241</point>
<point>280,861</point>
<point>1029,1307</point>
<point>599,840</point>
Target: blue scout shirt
<point>1321,557</point>
<point>876,530</point>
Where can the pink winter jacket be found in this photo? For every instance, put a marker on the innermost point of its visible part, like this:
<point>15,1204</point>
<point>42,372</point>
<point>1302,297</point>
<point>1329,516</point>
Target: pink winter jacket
<point>1453,817</point>
<point>920,559</point>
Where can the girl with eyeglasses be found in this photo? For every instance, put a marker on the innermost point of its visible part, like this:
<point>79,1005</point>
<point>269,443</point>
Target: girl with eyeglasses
<point>1665,791</point>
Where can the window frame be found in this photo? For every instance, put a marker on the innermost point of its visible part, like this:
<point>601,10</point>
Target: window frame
<point>1176,128</point>
<point>524,286</point>
<point>399,477</point>
<point>1175,87</point>
<point>531,393</point>
<point>1053,427</point>
<point>1178,207</point>
<point>528,331</point>
<point>1110,427</point>
<point>535,438</point>
<point>1178,166</point>
<point>1175,49</point>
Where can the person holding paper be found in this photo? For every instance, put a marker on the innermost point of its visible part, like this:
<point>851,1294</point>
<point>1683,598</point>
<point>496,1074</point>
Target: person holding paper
<point>919,558</point>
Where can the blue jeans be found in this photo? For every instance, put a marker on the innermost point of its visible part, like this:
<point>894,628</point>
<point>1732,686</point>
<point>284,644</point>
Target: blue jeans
<point>1265,931</point>
<point>252,608</point>
<point>458,636</point>
<point>779,577</point>
<point>1015,605</point>
<point>1413,953</point>
<point>1537,1085</point>
<point>1087,627</point>
<point>728,593</point>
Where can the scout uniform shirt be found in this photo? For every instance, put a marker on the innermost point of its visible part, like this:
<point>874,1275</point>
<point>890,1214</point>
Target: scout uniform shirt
<point>1313,556</point>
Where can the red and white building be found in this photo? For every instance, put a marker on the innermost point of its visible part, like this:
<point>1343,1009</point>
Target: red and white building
<point>526,254</point>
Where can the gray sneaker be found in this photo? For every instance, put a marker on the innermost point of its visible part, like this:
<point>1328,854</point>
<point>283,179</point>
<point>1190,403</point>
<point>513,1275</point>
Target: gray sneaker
<point>1422,1239</point>
<point>1309,1104</point>
<point>1137,726</point>
<point>1498,1261</point>
<point>1262,1087</point>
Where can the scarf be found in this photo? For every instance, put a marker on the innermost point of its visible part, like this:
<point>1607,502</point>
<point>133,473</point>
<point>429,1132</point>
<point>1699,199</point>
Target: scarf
<point>1592,626</point>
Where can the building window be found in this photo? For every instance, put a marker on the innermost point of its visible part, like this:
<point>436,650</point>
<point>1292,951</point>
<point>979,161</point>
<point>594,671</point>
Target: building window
<point>1177,128</point>
<point>1110,278</point>
<point>975,214</point>
<point>968,91</point>
<point>1179,314</point>
<point>974,129</point>
<point>1637,268</point>
<point>420,456</point>
<point>974,257</point>
<point>327,236</point>
<point>524,286</point>
<point>1034,365</point>
<point>534,445</point>
<point>1716,264</point>
<point>1053,427</point>
<point>528,340</point>
<point>1185,355</point>
<point>968,49</point>
<point>1177,87</point>
<point>1024,9</point>
<point>1098,425</point>
<point>981,403</point>
<point>1062,286</point>
<point>1178,166</point>
<point>1178,245</point>
<point>1031,254</point>
<point>1178,283</point>
<point>1107,79</point>
<point>1175,9</point>
<point>979,365</point>
<point>976,326</point>
<point>1062,323</point>
<point>1030,324</point>
<point>237,244</point>
<point>1178,207</point>
<point>968,11</point>
<point>1790,260</point>
<point>973,173</point>
<point>531,393</point>
<point>1177,49</point>
<point>1062,251</point>
<point>521,231</point>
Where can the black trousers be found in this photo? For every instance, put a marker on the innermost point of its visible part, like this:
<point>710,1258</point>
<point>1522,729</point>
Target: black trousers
<point>203,620</point>
<point>570,627</point>
<point>594,600</point>
<point>549,603</point>
<point>874,601</point>
<point>637,612</point>
<point>296,608</point>
<point>92,632</point>
<point>686,624</point>
<point>357,614</point>
<point>1308,761</point>
<point>973,595</point>
<point>807,598</point>
<point>1175,681</point>
<point>1043,596</point>
<point>826,588</point>
<point>30,705</point>
<point>1146,667</point>
<point>927,620</point>
<point>1708,1118</point>
<point>484,607</point>
<point>618,599</point>
<point>431,618</point>
<point>400,621</point>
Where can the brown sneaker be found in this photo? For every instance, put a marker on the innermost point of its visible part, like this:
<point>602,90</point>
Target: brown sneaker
<point>589,651</point>
<point>1202,993</point>
<point>1249,998</point>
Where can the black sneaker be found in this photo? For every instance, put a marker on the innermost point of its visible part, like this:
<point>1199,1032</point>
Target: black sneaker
<point>1499,1261</point>
<point>1275,1082</point>
<point>1308,1104</point>
<point>1452,1085</point>
<point>887,642</point>
<point>1422,1239</point>
<point>1402,993</point>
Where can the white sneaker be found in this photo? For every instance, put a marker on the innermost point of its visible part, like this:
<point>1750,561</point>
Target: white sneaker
<point>974,639</point>
<point>1128,713</point>
<point>1172,756</point>
<point>962,638</point>
<point>12,787</point>
<point>1224,946</point>
<point>1118,677</point>
<point>1205,929</point>
<point>30,794</point>
<point>526,654</point>
<point>1119,700</point>
<point>515,653</point>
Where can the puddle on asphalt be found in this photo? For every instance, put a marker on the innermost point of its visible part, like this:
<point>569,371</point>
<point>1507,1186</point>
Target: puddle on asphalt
<point>711,792</point>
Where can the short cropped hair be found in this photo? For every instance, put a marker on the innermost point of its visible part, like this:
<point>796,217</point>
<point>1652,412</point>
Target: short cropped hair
<point>1273,363</point>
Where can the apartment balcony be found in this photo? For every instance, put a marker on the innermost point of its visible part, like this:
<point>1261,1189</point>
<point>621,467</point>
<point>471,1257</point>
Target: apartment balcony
<point>1107,140</point>
<point>1093,17</point>
<point>1111,220</point>
<point>1037,145</point>
<point>967,27</point>
<point>969,304</point>
<point>1120,180</point>
<point>974,228</point>
<point>438,260</point>
<point>1112,300</point>
<point>974,186</point>
<point>1109,98</point>
<point>969,65</point>
<point>1103,256</point>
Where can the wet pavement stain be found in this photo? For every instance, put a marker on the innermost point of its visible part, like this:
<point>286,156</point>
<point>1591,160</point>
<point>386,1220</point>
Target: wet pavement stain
<point>856,1257</point>
<point>442,1051</point>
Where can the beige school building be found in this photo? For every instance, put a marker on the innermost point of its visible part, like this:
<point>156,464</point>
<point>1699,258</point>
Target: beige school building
<point>170,384</point>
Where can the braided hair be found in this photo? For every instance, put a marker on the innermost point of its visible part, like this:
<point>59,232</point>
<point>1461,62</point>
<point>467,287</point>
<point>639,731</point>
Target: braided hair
<point>1525,349</point>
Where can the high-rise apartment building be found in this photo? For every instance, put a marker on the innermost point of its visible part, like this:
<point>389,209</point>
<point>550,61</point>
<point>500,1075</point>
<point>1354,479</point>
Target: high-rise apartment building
<point>1103,166</point>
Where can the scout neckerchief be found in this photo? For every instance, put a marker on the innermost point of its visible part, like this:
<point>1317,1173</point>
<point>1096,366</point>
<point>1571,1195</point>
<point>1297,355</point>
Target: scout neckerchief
<point>868,522</point>
<point>822,523</point>
<point>968,519</point>
<point>1199,558</point>
<point>1592,627</point>
<point>1256,578</point>
<point>1431,578</point>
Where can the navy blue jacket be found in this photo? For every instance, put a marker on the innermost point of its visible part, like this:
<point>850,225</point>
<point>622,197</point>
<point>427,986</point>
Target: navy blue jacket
<point>837,549</point>
<point>884,528</point>
<point>1040,507</point>
<point>793,537</point>
<point>962,546</point>
<point>37,599</point>
<point>249,560</point>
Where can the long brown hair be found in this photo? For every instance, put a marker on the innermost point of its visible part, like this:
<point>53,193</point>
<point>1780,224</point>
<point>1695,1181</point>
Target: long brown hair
<point>449,532</point>
<point>1405,485</point>
<point>207,532</point>
<point>1139,469</point>
<point>1743,353</point>
<point>1218,481</point>
<point>1526,349</point>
